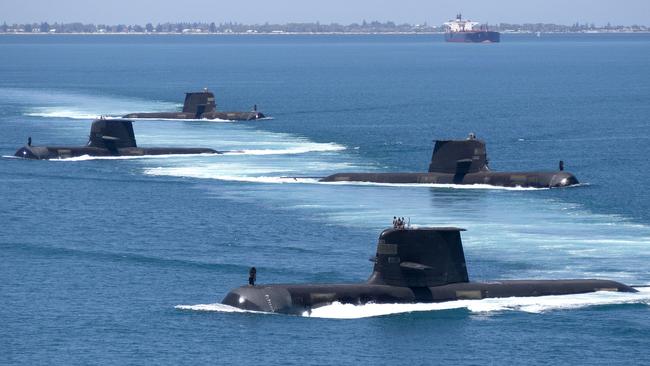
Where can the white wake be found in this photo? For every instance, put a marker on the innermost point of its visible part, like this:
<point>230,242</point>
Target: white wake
<point>300,149</point>
<point>524,304</point>
<point>536,305</point>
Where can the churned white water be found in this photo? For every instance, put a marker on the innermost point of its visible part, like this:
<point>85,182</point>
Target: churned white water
<point>538,304</point>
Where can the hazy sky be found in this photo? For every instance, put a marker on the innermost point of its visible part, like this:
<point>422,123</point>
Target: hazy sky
<point>326,11</point>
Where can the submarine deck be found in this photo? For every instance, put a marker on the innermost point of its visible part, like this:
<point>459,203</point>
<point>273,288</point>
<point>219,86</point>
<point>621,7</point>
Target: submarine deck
<point>298,298</point>
<point>505,179</point>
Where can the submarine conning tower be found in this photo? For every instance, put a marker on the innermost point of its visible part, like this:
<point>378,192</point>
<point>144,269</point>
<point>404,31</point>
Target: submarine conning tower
<point>459,156</point>
<point>199,103</point>
<point>112,134</point>
<point>419,257</point>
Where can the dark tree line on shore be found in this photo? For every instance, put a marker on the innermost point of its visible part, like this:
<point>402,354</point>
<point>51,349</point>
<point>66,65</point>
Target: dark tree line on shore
<point>363,27</point>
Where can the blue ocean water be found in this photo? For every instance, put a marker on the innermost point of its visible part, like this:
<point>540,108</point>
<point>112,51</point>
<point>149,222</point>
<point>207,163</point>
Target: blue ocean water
<point>118,261</point>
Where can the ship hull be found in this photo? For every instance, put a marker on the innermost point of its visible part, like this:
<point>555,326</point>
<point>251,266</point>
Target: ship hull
<point>473,37</point>
<point>229,116</point>
<point>59,152</point>
<point>503,179</point>
<point>301,299</point>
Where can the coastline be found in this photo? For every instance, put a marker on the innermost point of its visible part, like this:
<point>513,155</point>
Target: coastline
<point>284,33</point>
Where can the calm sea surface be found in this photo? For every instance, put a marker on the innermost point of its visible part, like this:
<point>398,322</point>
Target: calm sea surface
<point>117,261</point>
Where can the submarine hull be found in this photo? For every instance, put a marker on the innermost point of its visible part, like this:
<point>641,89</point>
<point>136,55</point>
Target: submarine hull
<point>230,116</point>
<point>108,137</point>
<point>411,265</point>
<point>61,152</point>
<point>301,299</point>
<point>200,105</point>
<point>463,162</point>
<point>504,179</point>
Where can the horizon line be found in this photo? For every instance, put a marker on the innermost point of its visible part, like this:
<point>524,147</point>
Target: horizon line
<point>362,22</point>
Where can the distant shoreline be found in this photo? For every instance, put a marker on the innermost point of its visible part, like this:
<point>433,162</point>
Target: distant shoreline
<point>284,33</point>
<point>301,28</point>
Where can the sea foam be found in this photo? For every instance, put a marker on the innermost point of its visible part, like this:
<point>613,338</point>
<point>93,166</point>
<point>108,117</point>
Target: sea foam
<point>537,305</point>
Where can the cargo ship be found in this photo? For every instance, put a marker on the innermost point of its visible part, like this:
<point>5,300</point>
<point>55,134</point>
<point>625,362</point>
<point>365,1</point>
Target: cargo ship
<point>460,30</point>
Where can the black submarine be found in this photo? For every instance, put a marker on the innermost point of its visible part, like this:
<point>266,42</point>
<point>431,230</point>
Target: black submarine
<point>200,105</point>
<point>108,137</point>
<point>463,162</point>
<point>412,265</point>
